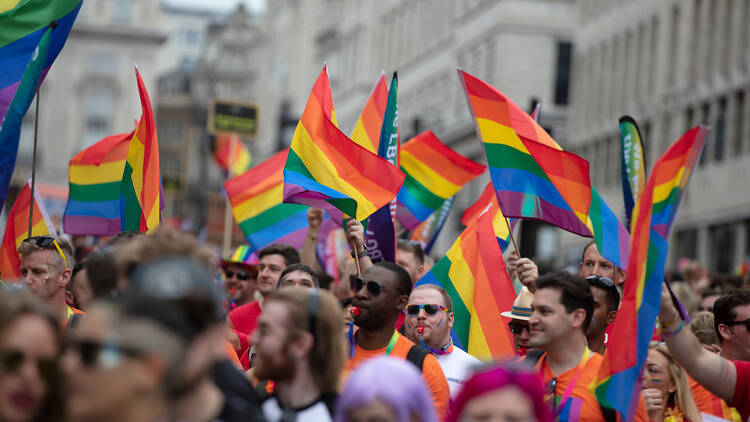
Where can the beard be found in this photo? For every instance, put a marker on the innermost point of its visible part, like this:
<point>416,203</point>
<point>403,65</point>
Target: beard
<point>277,366</point>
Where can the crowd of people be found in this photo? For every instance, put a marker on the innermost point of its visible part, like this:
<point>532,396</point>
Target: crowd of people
<point>157,328</point>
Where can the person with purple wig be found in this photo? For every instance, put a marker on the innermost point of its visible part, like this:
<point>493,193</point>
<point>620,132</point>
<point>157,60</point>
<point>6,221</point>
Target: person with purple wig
<point>385,388</point>
<point>503,392</point>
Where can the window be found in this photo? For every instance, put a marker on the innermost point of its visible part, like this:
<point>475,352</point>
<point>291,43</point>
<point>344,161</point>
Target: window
<point>685,244</point>
<point>122,11</point>
<point>705,110</point>
<point>722,247</point>
<point>562,78</point>
<point>102,63</point>
<point>739,127</point>
<point>98,107</point>
<point>720,133</point>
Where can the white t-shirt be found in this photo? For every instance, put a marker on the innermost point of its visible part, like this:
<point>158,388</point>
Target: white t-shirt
<point>457,367</point>
<point>320,410</point>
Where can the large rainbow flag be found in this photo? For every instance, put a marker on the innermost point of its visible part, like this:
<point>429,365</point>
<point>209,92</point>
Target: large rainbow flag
<point>17,229</point>
<point>325,169</point>
<point>474,274</point>
<point>434,173</point>
<point>141,184</point>
<point>367,129</point>
<point>618,384</point>
<point>231,154</point>
<point>95,176</point>
<point>256,197</point>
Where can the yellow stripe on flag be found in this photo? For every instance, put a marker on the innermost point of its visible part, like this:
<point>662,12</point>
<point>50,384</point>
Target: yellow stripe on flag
<point>425,175</point>
<point>259,203</point>
<point>89,174</point>
<point>495,133</point>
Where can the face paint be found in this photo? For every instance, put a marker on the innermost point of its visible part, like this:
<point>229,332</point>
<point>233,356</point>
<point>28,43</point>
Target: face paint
<point>656,380</point>
<point>439,323</point>
<point>50,273</point>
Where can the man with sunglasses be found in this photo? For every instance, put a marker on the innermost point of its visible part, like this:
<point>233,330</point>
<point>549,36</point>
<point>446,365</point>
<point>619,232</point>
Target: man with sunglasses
<point>606,302</point>
<point>429,319</point>
<point>239,281</point>
<point>380,296</point>
<point>46,267</point>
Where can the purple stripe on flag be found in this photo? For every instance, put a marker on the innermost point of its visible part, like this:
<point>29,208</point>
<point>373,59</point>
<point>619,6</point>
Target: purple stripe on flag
<point>295,239</point>
<point>87,225</point>
<point>515,204</point>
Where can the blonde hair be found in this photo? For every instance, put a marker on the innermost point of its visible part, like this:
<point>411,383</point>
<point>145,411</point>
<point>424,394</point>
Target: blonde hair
<point>328,355</point>
<point>702,326</point>
<point>28,247</point>
<point>682,397</point>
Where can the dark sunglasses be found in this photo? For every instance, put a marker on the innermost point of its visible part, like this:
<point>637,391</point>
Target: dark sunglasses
<point>241,275</point>
<point>603,282</point>
<point>373,287</point>
<point>11,362</point>
<point>517,327</point>
<point>100,354</point>
<point>745,322</point>
<point>429,309</point>
<point>550,394</point>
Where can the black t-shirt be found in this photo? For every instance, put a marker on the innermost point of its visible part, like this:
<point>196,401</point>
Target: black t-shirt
<point>241,403</point>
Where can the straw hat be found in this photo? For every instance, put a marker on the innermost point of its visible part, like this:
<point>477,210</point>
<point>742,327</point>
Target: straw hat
<point>243,256</point>
<point>521,306</point>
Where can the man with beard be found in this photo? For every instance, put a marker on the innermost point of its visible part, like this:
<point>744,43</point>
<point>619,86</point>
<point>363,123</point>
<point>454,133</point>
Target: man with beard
<point>429,319</point>
<point>298,346</point>
<point>606,302</point>
<point>380,296</point>
<point>272,260</point>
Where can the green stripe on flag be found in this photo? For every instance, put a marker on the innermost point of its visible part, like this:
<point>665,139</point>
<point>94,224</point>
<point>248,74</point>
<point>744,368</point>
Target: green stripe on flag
<point>270,217</point>
<point>295,164</point>
<point>421,193</point>
<point>131,216</point>
<point>95,193</point>
<point>504,156</point>
<point>462,317</point>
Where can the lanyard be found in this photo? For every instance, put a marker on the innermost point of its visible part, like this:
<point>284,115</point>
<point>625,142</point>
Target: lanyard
<point>569,390</point>
<point>391,343</point>
<point>68,312</point>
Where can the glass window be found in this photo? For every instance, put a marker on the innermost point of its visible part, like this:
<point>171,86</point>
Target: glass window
<point>98,109</point>
<point>722,248</point>
<point>122,11</point>
<point>562,78</point>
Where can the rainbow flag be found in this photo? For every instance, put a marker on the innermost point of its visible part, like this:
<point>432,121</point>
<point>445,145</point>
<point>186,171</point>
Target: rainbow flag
<point>427,231</point>
<point>17,229</point>
<point>618,383</point>
<point>325,169</point>
<point>367,129</point>
<point>95,176</point>
<point>533,177</point>
<point>231,154</point>
<point>434,173</point>
<point>474,274</point>
<point>256,197</point>
<point>487,202</point>
<point>611,237</point>
<point>633,164</point>
<point>141,184</point>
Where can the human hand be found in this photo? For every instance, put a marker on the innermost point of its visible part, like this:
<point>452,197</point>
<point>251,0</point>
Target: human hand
<point>527,272</point>
<point>511,264</point>
<point>667,312</point>
<point>355,235</point>
<point>653,404</point>
<point>314,218</point>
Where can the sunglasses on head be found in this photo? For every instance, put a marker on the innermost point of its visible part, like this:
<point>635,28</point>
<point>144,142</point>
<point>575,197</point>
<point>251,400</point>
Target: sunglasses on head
<point>241,275</point>
<point>518,327</point>
<point>429,309</point>
<point>11,362</point>
<point>45,242</point>
<point>373,287</point>
<point>100,354</point>
<point>745,322</point>
<point>603,282</point>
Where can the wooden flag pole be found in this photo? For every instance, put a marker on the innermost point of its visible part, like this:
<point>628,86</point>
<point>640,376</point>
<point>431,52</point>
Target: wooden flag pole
<point>512,239</point>
<point>227,243</point>
<point>356,259</point>
<point>33,161</point>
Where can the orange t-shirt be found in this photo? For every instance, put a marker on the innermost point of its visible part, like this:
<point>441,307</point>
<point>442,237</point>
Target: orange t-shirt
<point>431,371</point>
<point>581,405</point>
<point>708,403</point>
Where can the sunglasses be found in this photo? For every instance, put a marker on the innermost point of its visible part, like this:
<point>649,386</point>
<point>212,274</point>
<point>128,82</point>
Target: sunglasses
<point>241,275</point>
<point>429,309</point>
<point>373,287</point>
<point>45,242</point>
<point>517,327</point>
<point>745,322</point>
<point>11,362</point>
<point>603,282</point>
<point>550,393</point>
<point>104,355</point>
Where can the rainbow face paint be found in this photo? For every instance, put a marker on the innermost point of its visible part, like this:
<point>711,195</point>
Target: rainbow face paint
<point>439,323</point>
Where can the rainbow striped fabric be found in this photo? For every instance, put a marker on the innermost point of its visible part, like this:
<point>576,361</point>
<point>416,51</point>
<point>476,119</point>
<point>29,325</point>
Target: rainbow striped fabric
<point>532,176</point>
<point>17,229</point>
<point>325,169</point>
<point>231,154</point>
<point>434,173</point>
<point>141,183</point>
<point>95,176</point>
<point>487,202</point>
<point>618,383</point>
<point>367,129</point>
<point>256,198</point>
<point>474,274</point>
<point>632,165</point>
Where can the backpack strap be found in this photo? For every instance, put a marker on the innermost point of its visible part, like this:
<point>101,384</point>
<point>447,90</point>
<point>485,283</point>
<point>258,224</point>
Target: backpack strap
<point>73,321</point>
<point>417,355</point>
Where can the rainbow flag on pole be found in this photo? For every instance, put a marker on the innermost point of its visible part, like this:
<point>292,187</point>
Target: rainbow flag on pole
<point>141,183</point>
<point>474,274</point>
<point>256,197</point>
<point>633,164</point>
<point>434,173</point>
<point>618,384</point>
<point>95,176</point>
<point>17,229</point>
<point>325,169</point>
<point>367,130</point>
<point>231,154</point>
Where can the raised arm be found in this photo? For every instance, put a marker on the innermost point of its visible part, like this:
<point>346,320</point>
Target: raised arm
<point>308,253</point>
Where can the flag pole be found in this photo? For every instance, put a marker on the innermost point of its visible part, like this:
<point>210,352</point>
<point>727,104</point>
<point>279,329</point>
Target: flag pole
<point>512,239</point>
<point>33,160</point>
<point>227,243</point>
<point>356,259</point>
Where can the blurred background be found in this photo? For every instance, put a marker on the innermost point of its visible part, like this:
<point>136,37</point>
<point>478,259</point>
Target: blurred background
<point>670,64</point>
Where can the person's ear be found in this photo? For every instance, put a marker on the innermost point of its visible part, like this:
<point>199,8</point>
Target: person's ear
<point>451,317</point>
<point>303,345</point>
<point>578,316</point>
<point>611,315</point>
<point>149,374</point>
<point>65,277</point>
<point>725,332</point>
<point>420,272</point>
<point>402,301</point>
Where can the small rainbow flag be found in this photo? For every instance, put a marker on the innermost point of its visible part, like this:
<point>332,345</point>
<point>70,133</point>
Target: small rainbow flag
<point>487,202</point>
<point>95,176</point>
<point>474,274</point>
<point>141,183</point>
<point>256,198</point>
<point>325,169</point>
<point>231,154</point>
<point>17,229</point>
<point>367,130</point>
<point>618,385</point>
<point>434,173</point>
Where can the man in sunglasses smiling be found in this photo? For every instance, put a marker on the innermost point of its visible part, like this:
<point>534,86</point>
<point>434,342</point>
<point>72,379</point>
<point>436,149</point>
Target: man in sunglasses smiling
<point>240,279</point>
<point>429,319</point>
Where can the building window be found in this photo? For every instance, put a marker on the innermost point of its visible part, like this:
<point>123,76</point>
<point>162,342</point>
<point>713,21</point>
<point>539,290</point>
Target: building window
<point>562,78</point>
<point>122,11</point>
<point>720,134</point>
<point>98,109</point>
<point>722,247</point>
<point>686,244</point>
<point>705,110</point>
<point>739,127</point>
